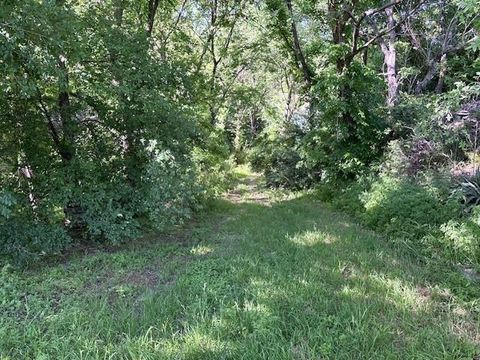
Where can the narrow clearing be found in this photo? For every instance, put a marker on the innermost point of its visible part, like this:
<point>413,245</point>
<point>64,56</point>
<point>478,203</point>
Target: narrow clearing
<point>264,275</point>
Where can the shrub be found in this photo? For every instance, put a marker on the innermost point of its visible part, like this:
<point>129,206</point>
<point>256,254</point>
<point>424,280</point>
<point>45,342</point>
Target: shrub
<point>108,216</point>
<point>401,208</point>
<point>349,198</point>
<point>25,233</point>
<point>281,163</point>
<point>214,165</point>
<point>170,193</point>
<point>346,134</point>
<point>462,238</point>
<point>25,240</point>
<point>102,207</point>
<point>424,211</point>
<point>326,192</point>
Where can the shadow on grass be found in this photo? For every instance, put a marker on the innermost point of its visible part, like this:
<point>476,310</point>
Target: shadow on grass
<point>278,280</point>
<point>294,280</point>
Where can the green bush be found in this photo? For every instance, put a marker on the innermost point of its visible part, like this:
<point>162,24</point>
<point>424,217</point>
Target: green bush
<point>281,163</point>
<point>326,192</point>
<point>401,208</point>
<point>462,238</point>
<point>25,233</point>
<point>108,209</point>
<point>214,164</point>
<point>342,195</point>
<point>349,199</point>
<point>108,217</point>
<point>425,211</point>
<point>346,134</point>
<point>171,192</point>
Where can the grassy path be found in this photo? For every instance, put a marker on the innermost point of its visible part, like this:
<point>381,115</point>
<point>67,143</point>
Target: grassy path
<point>263,275</point>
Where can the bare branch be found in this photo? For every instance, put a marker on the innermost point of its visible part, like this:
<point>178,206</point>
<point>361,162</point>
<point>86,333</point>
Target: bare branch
<point>384,32</point>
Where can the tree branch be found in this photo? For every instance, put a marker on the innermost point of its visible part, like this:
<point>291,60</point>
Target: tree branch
<point>383,32</point>
<point>300,57</point>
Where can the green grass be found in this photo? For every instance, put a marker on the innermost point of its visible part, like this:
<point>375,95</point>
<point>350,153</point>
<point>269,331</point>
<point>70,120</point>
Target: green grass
<point>261,275</point>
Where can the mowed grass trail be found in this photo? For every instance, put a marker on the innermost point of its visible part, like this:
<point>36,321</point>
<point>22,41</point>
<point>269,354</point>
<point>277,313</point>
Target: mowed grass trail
<point>262,275</point>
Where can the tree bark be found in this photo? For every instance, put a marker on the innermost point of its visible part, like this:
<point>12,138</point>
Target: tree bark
<point>67,149</point>
<point>152,11</point>
<point>442,73</point>
<point>339,25</point>
<point>427,79</point>
<point>390,59</point>
<point>217,57</point>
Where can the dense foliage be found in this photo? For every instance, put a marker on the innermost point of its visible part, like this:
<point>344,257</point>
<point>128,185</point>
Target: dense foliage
<point>98,128</point>
<point>390,132</point>
<point>119,116</point>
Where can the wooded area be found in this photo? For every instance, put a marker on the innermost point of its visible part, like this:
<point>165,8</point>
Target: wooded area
<point>119,118</point>
<point>121,115</point>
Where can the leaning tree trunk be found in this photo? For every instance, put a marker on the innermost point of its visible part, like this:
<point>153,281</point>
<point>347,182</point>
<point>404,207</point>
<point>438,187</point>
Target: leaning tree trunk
<point>392,80</point>
<point>427,79</point>
<point>390,56</point>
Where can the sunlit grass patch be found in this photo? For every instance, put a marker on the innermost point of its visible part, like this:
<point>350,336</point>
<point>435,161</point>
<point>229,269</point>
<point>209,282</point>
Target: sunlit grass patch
<point>242,171</point>
<point>403,294</point>
<point>201,250</point>
<point>311,238</point>
<point>196,344</point>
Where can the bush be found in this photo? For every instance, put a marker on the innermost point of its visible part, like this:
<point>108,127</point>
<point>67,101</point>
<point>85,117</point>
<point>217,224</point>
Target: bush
<point>462,238</point>
<point>281,163</point>
<point>401,208</point>
<point>214,164</point>
<point>349,198</point>
<point>26,234</point>
<point>346,134</point>
<point>423,211</point>
<point>326,192</point>
<point>170,193</point>
<point>107,216</point>
<point>101,207</point>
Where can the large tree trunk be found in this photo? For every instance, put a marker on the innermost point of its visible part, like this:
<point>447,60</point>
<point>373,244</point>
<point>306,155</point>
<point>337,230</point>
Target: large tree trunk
<point>152,11</point>
<point>307,73</point>
<point>392,80</point>
<point>67,149</point>
<point>288,102</point>
<point>390,57</point>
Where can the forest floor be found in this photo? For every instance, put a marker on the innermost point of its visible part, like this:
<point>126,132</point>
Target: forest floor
<point>260,275</point>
